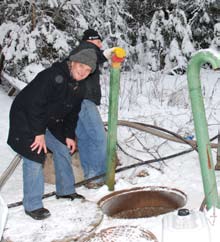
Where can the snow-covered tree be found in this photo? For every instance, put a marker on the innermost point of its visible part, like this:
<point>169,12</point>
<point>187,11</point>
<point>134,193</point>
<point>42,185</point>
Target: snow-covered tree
<point>155,34</point>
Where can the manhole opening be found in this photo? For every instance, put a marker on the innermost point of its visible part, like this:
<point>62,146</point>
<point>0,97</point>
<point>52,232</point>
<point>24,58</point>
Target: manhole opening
<point>142,202</point>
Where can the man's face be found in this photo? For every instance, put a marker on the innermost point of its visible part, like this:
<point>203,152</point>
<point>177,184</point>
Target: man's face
<point>96,42</point>
<point>80,71</point>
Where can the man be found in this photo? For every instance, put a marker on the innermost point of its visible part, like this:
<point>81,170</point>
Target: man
<point>90,132</point>
<point>44,114</point>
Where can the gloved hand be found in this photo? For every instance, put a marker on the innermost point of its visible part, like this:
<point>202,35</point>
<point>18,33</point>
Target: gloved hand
<point>108,53</point>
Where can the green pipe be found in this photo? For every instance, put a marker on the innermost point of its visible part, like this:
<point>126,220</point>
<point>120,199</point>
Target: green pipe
<point>200,123</point>
<point>117,58</point>
<point>112,127</point>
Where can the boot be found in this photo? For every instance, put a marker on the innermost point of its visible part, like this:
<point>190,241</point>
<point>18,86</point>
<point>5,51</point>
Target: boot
<point>71,196</point>
<point>94,185</point>
<point>39,214</point>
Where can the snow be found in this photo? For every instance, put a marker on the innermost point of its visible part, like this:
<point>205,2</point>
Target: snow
<point>145,97</point>
<point>6,153</point>
<point>59,225</point>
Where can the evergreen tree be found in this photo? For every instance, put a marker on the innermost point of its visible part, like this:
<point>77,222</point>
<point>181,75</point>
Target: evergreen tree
<point>155,34</point>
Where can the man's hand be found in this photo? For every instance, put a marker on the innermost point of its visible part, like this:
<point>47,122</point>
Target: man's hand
<point>108,53</point>
<point>71,144</point>
<point>39,144</point>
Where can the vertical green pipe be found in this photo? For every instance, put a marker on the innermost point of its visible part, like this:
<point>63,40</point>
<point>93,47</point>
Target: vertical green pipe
<point>117,58</point>
<point>200,123</point>
<point>112,126</point>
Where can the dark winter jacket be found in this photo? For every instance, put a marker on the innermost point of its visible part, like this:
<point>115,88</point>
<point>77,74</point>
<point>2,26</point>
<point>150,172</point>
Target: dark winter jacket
<point>51,101</point>
<point>91,85</point>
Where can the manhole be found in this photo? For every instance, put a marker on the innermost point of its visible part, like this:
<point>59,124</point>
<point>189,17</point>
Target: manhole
<point>121,233</point>
<point>142,202</point>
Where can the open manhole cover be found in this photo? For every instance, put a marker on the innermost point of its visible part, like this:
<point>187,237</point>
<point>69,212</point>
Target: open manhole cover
<point>121,233</point>
<point>142,202</point>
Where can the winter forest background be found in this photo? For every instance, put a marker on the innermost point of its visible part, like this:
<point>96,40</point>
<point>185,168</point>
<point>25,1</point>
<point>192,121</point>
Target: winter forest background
<point>157,35</point>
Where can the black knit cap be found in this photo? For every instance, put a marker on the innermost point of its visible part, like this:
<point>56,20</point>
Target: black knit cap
<point>91,34</point>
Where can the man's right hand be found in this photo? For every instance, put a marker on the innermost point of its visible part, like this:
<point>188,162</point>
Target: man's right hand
<point>39,144</point>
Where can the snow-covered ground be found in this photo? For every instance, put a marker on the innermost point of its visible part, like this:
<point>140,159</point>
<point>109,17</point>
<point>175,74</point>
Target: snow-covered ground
<point>149,98</point>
